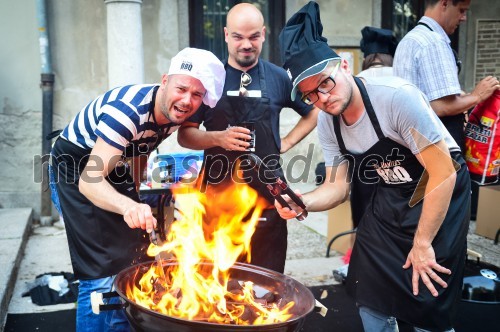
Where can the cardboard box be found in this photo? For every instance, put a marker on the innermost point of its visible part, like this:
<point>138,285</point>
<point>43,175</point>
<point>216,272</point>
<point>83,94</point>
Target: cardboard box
<point>340,220</point>
<point>488,212</point>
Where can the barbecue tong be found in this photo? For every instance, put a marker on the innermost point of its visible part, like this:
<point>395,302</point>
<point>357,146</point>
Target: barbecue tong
<point>279,187</point>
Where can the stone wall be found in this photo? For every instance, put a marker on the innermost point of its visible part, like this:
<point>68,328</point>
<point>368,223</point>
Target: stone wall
<point>487,49</point>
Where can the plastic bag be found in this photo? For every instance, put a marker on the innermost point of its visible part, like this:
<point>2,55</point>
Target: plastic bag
<point>482,141</point>
<point>53,288</point>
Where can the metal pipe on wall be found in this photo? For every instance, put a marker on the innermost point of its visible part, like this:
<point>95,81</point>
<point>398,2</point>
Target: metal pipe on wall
<point>47,86</point>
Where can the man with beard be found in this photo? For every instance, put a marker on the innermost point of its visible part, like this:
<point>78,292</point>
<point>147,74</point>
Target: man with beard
<point>408,258</point>
<point>255,91</point>
<point>97,161</point>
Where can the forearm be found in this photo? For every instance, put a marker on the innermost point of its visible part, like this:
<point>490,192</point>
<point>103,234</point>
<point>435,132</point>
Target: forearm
<point>332,192</point>
<point>196,139</point>
<point>453,105</point>
<point>435,206</point>
<point>325,197</point>
<point>104,196</point>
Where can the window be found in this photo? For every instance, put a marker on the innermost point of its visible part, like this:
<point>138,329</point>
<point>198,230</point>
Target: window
<point>207,20</point>
<point>401,16</point>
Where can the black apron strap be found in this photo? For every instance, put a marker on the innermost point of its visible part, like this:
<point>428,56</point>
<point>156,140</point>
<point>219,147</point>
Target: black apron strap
<point>425,25</point>
<point>336,128</point>
<point>371,115</point>
<point>369,108</point>
<point>53,134</point>
<point>262,76</point>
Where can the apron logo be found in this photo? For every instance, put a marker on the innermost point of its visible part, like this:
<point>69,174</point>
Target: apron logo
<point>394,175</point>
<point>391,170</point>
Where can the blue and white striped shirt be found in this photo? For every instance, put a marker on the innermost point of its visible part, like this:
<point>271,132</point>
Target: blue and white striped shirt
<point>122,117</point>
<point>425,58</point>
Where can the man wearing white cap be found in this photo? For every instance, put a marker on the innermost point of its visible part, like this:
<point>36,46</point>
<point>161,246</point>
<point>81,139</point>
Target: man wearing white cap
<point>97,161</point>
<point>408,258</point>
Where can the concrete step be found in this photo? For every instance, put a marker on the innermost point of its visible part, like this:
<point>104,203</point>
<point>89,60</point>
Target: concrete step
<point>15,225</point>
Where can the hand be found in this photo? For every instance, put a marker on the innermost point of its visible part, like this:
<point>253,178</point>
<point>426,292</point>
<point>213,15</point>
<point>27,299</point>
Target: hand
<point>285,212</point>
<point>285,145</point>
<point>140,216</point>
<point>234,139</point>
<point>485,88</point>
<point>423,260</point>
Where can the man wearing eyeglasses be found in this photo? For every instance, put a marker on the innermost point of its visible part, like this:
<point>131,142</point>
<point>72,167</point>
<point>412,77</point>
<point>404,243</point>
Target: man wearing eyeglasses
<point>425,58</point>
<point>255,92</point>
<point>97,187</point>
<point>408,258</point>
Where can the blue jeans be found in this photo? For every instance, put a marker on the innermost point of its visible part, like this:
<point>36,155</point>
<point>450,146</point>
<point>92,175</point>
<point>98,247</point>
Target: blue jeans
<point>53,189</point>
<point>86,320</point>
<point>374,321</point>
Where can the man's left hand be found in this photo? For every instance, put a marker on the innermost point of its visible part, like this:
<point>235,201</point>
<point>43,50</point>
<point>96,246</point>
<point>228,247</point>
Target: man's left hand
<point>423,260</point>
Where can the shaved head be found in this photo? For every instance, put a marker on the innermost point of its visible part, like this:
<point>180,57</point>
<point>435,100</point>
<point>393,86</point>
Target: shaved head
<point>244,13</point>
<point>244,34</point>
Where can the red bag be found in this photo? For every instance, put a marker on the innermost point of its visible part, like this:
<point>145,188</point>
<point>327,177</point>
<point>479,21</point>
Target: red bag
<point>482,141</point>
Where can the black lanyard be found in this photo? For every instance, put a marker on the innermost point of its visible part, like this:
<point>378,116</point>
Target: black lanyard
<point>458,62</point>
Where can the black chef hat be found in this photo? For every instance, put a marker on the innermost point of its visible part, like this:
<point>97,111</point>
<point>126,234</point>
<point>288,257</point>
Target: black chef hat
<point>377,40</point>
<point>304,51</point>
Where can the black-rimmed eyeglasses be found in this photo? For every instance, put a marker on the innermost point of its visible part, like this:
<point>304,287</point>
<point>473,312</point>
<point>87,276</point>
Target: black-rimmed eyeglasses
<point>325,87</point>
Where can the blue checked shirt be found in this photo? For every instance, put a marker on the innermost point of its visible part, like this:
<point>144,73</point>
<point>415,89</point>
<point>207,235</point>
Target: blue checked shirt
<point>425,58</point>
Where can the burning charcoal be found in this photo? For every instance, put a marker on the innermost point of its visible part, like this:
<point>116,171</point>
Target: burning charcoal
<point>269,297</point>
<point>176,293</point>
<point>234,294</point>
<point>261,302</point>
<point>233,285</point>
<point>159,287</point>
<point>278,299</point>
<point>248,315</point>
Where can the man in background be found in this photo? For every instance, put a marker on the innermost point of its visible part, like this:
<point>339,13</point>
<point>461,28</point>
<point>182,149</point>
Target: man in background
<point>425,58</point>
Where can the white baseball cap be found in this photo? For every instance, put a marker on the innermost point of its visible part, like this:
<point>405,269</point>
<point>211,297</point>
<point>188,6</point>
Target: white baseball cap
<point>204,66</point>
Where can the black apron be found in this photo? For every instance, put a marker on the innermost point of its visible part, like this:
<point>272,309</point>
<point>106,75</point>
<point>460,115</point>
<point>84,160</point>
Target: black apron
<point>269,242</point>
<point>101,244</point>
<point>385,235</point>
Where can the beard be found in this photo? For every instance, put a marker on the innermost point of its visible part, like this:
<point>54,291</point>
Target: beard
<point>172,119</point>
<point>347,102</point>
<point>246,61</point>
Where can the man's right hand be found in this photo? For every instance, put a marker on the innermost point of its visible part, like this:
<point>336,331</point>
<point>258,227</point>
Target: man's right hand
<point>140,216</point>
<point>285,212</point>
<point>485,88</point>
<point>235,139</point>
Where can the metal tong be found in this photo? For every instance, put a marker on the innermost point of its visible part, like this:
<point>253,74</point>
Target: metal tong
<point>153,237</point>
<point>279,187</point>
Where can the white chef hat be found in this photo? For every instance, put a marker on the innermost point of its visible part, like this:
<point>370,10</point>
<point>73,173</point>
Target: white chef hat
<point>204,66</point>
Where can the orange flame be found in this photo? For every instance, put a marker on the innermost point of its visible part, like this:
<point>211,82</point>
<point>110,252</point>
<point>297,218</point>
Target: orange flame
<point>214,227</point>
